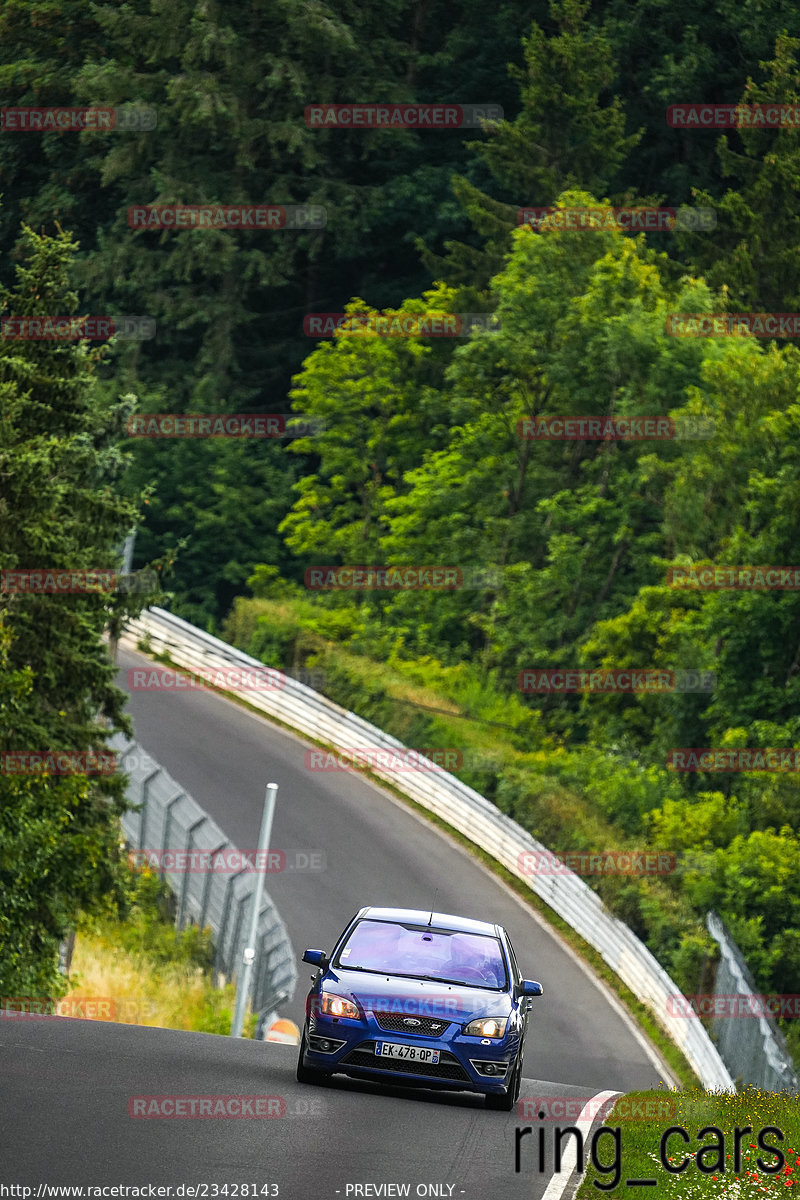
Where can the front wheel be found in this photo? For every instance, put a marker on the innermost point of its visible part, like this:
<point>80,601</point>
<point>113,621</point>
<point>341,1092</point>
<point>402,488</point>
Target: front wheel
<point>308,1074</point>
<point>506,1103</point>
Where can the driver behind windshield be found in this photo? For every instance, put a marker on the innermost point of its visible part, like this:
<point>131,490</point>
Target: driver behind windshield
<point>468,964</point>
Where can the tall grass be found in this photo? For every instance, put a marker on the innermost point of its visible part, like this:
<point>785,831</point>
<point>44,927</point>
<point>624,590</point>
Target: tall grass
<point>139,970</point>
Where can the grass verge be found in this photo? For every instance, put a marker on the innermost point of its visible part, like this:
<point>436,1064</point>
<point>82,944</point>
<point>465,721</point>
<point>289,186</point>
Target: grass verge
<point>716,1160</point>
<point>140,970</point>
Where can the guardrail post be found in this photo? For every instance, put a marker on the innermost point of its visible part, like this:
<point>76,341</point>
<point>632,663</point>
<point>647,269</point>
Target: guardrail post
<point>188,873</point>
<point>223,929</point>
<point>145,804</point>
<point>207,885</point>
<point>168,820</point>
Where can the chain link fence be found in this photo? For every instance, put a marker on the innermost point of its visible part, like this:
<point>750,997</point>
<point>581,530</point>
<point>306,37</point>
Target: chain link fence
<point>170,820</point>
<point>753,1048</point>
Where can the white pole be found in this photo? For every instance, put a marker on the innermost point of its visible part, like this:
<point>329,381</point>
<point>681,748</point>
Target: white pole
<point>248,958</point>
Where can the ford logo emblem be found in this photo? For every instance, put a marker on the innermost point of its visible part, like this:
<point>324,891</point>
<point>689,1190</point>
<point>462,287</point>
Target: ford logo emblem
<point>410,1021</point>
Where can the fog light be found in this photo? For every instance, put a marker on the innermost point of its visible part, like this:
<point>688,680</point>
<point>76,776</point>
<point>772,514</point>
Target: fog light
<point>324,1045</point>
<point>489,1069</point>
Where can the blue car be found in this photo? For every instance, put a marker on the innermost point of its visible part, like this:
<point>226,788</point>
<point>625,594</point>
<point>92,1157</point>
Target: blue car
<point>411,997</point>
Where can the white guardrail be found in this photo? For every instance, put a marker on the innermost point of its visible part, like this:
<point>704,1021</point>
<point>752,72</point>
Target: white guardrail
<point>305,711</point>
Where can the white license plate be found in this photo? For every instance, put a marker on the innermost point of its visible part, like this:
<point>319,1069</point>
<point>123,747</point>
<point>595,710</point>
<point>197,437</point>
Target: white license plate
<point>412,1053</point>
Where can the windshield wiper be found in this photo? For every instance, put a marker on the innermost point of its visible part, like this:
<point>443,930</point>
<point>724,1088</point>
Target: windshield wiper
<point>487,987</point>
<point>433,978</point>
<point>347,967</point>
<point>441,979</point>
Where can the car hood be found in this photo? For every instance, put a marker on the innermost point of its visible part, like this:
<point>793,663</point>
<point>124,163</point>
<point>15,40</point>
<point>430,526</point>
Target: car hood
<point>416,997</point>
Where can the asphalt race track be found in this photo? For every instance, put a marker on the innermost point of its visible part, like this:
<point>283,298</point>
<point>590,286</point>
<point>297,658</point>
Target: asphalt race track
<point>66,1085</point>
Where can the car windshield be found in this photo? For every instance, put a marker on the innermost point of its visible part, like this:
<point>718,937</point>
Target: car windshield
<point>391,948</point>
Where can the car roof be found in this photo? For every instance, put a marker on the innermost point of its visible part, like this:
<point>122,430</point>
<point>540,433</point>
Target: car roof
<point>418,916</point>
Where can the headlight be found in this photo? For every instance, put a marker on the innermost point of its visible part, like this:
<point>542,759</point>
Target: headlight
<point>491,1027</point>
<point>337,1006</point>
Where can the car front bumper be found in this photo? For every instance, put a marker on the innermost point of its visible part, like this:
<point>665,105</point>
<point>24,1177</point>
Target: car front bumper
<point>340,1045</point>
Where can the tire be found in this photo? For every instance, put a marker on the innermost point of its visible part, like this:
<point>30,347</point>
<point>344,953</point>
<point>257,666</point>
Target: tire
<point>507,1102</point>
<point>309,1074</point>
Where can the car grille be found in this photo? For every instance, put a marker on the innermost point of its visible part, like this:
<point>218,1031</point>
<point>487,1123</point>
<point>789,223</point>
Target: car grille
<point>448,1066</point>
<point>425,1027</point>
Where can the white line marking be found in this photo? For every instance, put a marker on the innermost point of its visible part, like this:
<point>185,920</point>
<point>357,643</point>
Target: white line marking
<point>558,1183</point>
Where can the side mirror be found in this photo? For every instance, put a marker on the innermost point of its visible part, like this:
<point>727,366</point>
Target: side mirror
<point>528,987</point>
<point>316,958</point>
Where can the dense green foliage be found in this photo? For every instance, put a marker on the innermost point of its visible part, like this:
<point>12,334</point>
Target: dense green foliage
<point>60,506</point>
<point>584,89</point>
